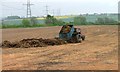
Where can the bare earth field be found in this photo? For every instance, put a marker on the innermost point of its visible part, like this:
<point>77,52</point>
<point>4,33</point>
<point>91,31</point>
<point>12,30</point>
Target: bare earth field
<point>98,52</point>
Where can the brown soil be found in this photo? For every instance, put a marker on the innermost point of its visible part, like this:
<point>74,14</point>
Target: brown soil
<point>98,52</point>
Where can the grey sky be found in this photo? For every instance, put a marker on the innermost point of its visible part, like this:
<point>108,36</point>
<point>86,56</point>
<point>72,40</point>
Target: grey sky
<point>66,7</point>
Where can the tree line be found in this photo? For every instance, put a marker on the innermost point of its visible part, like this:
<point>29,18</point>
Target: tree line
<point>81,20</point>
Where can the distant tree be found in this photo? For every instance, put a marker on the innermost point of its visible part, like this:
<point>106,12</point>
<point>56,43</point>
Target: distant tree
<point>105,20</point>
<point>51,20</point>
<point>33,21</point>
<point>13,17</point>
<point>100,21</point>
<point>110,21</point>
<point>80,20</point>
<point>26,22</point>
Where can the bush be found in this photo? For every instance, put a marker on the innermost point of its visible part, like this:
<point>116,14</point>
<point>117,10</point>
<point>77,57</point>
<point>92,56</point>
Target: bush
<point>26,22</point>
<point>29,22</point>
<point>33,21</point>
<point>13,17</point>
<point>80,20</point>
<point>50,20</point>
<point>105,20</point>
<point>100,21</point>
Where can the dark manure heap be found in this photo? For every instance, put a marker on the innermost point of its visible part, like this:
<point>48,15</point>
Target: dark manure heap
<point>27,43</point>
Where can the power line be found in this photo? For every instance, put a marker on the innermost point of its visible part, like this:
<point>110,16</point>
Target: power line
<point>28,8</point>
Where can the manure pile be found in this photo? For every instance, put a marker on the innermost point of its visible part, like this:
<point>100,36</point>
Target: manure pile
<point>27,43</point>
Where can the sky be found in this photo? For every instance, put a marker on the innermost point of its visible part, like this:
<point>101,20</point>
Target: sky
<point>58,7</point>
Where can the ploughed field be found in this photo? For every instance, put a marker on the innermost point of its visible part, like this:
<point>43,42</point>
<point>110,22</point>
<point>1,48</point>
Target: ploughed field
<point>99,51</point>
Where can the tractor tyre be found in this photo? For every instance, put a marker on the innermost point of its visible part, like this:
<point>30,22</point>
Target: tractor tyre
<point>83,37</point>
<point>78,39</point>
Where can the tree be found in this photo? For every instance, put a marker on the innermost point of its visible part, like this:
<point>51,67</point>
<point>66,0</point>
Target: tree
<point>13,17</point>
<point>80,20</point>
<point>26,22</point>
<point>105,20</point>
<point>110,21</point>
<point>100,21</point>
<point>51,20</point>
<point>33,21</point>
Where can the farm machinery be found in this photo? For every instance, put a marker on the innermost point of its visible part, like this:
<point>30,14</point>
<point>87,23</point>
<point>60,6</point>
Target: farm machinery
<point>71,34</point>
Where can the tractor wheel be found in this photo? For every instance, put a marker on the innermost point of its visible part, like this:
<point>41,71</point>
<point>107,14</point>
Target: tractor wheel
<point>83,37</point>
<point>78,38</point>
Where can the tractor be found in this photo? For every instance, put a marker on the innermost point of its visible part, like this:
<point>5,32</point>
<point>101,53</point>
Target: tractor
<point>70,34</point>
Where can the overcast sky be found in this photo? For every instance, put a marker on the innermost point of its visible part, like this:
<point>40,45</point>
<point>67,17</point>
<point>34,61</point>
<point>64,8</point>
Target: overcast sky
<point>58,7</point>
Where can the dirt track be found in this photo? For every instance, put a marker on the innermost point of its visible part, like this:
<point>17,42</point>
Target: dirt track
<point>97,52</point>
